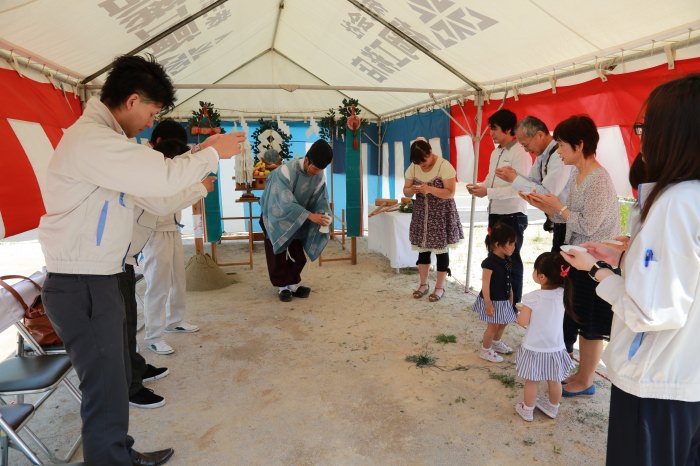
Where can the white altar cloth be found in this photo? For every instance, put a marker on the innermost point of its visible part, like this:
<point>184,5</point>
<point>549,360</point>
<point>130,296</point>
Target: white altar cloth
<point>388,234</point>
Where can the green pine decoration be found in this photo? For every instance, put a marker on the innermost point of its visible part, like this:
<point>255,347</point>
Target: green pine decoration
<point>206,120</point>
<point>265,125</point>
<point>333,124</point>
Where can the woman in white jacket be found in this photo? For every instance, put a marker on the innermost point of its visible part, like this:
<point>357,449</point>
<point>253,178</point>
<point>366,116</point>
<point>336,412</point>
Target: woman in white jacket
<point>655,338</point>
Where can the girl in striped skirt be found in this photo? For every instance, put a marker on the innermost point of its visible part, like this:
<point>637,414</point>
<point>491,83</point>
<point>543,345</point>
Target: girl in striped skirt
<point>542,354</point>
<point>495,301</point>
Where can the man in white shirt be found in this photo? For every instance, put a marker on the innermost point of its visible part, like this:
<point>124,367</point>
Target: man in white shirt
<point>505,205</point>
<point>548,174</point>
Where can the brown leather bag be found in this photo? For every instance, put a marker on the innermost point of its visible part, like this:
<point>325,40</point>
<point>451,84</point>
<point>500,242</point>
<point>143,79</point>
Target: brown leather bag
<point>35,318</point>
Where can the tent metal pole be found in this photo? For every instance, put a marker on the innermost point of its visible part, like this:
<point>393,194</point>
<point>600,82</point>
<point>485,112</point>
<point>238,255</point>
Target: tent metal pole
<point>319,78</point>
<point>379,158</point>
<point>414,43</point>
<point>194,96</point>
<point>304,87</point>
<point>479,100</point>
<point>536,77</point>
<point>158,37</point>
<point>280,7</point>
<point>43,66</point>
<point>533,79</point>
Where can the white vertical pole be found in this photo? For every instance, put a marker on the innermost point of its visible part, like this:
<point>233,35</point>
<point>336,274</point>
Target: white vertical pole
<point>479,101</point>
<point>379,159</point>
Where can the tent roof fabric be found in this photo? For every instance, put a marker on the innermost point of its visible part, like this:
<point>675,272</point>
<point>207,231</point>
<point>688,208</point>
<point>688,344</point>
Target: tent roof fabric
<point>335,42</point>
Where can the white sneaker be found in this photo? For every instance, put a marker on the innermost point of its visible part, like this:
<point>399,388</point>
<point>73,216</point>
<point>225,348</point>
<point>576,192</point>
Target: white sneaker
<point>547,407</point>
<point>524,411</point>
<point>182,327</point>
<point>490,355</point>
<point>160,347</point>
<point>500,347</point>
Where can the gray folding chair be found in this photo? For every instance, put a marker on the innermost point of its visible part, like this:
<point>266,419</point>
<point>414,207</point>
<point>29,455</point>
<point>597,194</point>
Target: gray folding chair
<point>40,375</point>
<point>12,419</point>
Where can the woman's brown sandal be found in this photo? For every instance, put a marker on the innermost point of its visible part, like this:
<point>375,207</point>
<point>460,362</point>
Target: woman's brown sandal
<point>418,293</point>
<point>433,297</point>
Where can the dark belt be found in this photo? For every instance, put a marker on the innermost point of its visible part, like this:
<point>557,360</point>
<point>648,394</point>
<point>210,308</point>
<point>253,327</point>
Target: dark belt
<point>76,275</point>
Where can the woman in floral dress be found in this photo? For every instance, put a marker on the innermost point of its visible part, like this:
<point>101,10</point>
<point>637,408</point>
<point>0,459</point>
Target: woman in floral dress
<point>435,224</point>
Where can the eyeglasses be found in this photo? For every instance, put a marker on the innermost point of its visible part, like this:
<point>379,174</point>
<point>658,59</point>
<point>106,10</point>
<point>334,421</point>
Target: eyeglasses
<point>638,128</point>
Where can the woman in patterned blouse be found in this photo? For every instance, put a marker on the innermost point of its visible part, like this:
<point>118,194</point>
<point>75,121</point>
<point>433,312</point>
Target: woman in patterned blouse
<point>435,224</point>
<point>592,214</point>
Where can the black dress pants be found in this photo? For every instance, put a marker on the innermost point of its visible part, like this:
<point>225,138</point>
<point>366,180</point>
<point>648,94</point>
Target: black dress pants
<point>559,235</point>
<point>651,432</point>
<point>127,287</point>
<point>87,312</point>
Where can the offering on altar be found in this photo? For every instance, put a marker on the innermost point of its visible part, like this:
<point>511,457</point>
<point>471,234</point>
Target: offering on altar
<point>261,170</point>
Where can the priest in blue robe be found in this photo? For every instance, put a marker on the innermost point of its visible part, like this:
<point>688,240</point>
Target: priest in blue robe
<point>294,206</point>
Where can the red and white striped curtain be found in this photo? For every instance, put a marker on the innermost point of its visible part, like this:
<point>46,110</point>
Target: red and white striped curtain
<point>33,116</point>
<point>613,105</point>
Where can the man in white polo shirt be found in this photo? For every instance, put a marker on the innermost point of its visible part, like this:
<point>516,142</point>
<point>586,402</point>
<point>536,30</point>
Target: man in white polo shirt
<point>505,205</point>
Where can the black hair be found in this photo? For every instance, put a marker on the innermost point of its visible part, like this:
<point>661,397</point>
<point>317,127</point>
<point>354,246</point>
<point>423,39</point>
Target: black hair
<point>670,138</point>
<point>420,150</point>
<point>505,119</point>
<point>638,173</point>
<point>556,270</point>
<point>171,148</point>
<point>320,154</point>
<point>141,75</point>
<point>531,125</point>
<point>499,235</point>
<point>578,129</point>
<point>168,128</point>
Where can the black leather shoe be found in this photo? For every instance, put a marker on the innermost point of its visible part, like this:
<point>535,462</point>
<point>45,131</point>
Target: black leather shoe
<point>151,458</point>
<point>302,292</point>
<point>285,296</point>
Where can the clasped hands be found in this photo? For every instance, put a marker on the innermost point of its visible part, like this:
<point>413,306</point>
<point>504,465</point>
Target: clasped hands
<point>597,251</point>
<point>477,190</point>
<point>548,203</point>
<point>506,173</point>
<point>421,189</point>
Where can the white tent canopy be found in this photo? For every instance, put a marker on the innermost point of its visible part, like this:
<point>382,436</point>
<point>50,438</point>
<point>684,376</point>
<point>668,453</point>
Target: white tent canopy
<point>438,45</point>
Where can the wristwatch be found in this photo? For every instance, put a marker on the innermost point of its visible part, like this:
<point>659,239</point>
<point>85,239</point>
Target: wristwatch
<point>597,266</point>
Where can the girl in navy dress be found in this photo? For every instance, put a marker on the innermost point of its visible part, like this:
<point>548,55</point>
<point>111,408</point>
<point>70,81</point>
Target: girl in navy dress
<point>543,355</point>
<point>495,301</point>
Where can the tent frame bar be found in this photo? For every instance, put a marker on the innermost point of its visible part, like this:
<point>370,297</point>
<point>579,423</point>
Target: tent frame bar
<point>603,66</point>
<point>414,43</point>
<point>39,64</point>
<point>158,37</point>
<point>304,87</point>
